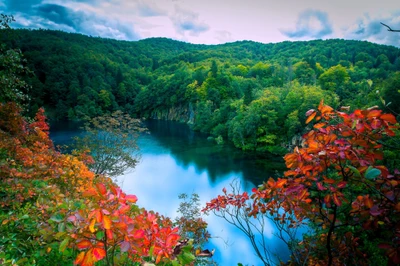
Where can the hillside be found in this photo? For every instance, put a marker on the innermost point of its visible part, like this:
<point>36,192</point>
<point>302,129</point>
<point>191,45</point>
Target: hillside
<point>252,94</point>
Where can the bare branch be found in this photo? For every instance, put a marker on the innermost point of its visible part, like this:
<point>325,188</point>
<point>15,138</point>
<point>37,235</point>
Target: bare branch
<point>389,28</point>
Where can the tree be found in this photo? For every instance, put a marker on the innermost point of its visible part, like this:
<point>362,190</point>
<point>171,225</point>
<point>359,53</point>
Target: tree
<point>336,186</point>
<point>12,86</point>
<point>111,140</point>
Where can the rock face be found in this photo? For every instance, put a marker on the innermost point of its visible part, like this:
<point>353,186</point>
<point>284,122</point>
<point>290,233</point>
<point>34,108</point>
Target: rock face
<point>184,114</point>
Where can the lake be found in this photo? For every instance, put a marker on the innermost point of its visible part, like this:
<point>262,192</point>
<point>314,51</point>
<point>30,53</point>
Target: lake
<point>176,160</point>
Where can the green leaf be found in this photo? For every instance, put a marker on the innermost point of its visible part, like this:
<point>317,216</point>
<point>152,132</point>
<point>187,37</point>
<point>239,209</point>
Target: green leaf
<point>57,218</point>
<point>100,235</point>
<point>63,245</point>
<point>61,227</point>
<point>69,226</point>
<point>186,258</point>
<point>372,173</point>
<point>24,217</point>
<point>354,170</point>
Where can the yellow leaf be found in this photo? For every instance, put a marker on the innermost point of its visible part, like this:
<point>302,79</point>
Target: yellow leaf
<point>91,226</point>
<point>106,222</point>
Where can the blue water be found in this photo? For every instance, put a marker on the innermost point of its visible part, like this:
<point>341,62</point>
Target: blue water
<point>177,160</point>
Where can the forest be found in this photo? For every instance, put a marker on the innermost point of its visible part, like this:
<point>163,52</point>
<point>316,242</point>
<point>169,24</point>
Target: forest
<point>331,106</point>
<point>252,94</point>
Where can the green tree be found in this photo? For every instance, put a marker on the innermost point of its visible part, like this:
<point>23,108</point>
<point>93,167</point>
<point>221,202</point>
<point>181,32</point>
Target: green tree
<point>112,142</point>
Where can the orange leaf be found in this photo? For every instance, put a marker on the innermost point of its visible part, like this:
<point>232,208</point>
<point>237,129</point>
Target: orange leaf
<point>79,258</point>
<point>99,253</point>
<point>131,198</point>
<point>280,183</point>
<point>368,202</point>
<point>124,209</point>
<point>90,192</point>
<point>319,125</point>
<point>84,244</point>
<point>374,113</point>
<point>158,259</point>
<point>327,198</point>
<point>89,259</point>
<point>311,117</point>
<point>389,118</point>
<point>326,109</point>
<point>106,222</point>
<point>336,199</point>
<point>99,216</point>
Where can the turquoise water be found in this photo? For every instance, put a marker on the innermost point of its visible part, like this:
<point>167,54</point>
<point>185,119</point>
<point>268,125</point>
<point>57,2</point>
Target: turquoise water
<point>177,160</point>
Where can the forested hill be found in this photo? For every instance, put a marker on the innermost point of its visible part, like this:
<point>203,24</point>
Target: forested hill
<point>251,93</point>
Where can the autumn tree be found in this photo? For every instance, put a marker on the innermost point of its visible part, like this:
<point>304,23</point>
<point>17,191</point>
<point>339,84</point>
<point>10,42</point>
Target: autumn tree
<point>112,142</point>
<point>336,186</point>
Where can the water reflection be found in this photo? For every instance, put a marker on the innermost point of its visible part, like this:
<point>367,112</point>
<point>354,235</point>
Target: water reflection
<point>177,160</point>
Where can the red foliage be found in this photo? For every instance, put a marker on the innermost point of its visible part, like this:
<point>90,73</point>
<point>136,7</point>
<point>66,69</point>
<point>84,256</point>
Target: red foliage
<point>91,213</point>
<point>335,181</point>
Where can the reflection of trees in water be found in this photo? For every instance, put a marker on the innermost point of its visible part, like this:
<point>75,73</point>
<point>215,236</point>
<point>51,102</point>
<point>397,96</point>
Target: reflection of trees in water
<point>192,148</point>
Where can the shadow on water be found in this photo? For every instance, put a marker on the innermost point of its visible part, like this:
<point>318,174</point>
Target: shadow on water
<point>192,148</point>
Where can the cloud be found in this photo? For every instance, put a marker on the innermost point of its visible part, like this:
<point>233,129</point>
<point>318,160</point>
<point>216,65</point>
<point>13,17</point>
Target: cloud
<point>370,29</point>
<point>186,21</point>
<point>311,24</point>
<point>223,36</point>
<point>146,9</point>
<point>35,14</point>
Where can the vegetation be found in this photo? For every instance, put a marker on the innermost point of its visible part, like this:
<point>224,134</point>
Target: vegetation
<point>111,141</point>
<point>254,95</point>
<point>335,186</point>
<point>342,181</point>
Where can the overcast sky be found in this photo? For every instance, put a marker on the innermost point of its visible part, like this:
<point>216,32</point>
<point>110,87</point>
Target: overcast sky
<point>213,21</point>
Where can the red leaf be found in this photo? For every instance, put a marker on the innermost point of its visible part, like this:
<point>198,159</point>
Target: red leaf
<point>102,188</point>
<point>99,253</point>
<point>342,184</point>
<point>138,234</point>
<point>384,245</point>
<point>84,244</point>
<point>320,186</point>
<point>171,240</point>
<point>109,234</point>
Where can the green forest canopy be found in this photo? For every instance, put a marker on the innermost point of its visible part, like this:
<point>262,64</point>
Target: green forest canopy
<point>251,93</point>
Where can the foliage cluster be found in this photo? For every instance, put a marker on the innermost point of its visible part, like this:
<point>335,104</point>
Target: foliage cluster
<point>52,206</point>
<point>336,186</point>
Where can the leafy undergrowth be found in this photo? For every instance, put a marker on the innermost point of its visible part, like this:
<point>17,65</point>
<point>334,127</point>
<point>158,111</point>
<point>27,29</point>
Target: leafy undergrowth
<point>54,211</point>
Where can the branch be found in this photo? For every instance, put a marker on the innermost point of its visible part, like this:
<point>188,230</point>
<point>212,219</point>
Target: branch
<point>389,28</point>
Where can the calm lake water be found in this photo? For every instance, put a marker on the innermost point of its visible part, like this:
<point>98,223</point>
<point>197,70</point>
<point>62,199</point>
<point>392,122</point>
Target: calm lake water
<point>178,160</point>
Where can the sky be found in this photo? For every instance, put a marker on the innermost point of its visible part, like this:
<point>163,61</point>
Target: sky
<point>213,21</point>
